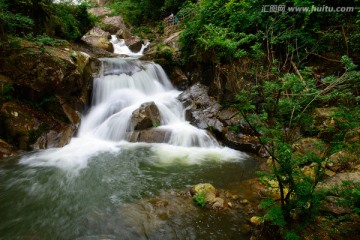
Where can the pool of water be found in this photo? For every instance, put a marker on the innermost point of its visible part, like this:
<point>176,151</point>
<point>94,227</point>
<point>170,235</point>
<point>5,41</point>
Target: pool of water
<point>132,192</point>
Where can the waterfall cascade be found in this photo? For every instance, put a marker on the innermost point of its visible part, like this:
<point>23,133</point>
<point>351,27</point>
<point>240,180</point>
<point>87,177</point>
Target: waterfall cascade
<point>121,48</point>
<point>126,84</point>
<point>123,86</point>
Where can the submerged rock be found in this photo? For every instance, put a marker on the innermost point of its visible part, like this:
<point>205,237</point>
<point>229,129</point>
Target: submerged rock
<point>153,135</point>
<point>207,193</point>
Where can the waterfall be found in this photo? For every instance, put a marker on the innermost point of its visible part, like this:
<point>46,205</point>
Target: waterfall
<point>121,48</point>
<point>122,87</point>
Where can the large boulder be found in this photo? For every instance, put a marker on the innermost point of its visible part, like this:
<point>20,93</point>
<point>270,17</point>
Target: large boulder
<point>28,128</point>
<point>226,124</point>
<point>51,85</point>
<point>146,116</point>
<point>201,109</point>
<point>115,25</point>
<point>338,179</point>
<point>34,72</point>
<point>179,79</point>
<point>246,143</point>
<point>99,38</point>
<point>134,43</point>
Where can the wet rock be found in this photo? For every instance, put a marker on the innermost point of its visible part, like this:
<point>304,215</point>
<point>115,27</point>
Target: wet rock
<point>245,228</point>
<point>55,138</point>
<point>99,38</point>
<point>6,150</point>
<point>205,188</point>
<point>201,109</point>
<point>146,116</point>
<point>245,143</point>
<point>27,128</point>
<point>134,43</point>
<point>179,79</point>
<point>218,203</point>
<point>210,195</point>
<point>91,50</point>
<point>153,135</point>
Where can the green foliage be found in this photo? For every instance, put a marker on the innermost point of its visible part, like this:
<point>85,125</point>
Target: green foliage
<point>44,40</point>
<point>234,29</point>
<point>287,102</point>
<point>200,199</point>
<point>62,19</point>
<point>349,193</point>
<point>72,21</point>
<point>9,21</point>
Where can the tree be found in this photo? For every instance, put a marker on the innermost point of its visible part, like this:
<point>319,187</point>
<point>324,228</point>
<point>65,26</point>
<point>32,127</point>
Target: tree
<point>280,117</point>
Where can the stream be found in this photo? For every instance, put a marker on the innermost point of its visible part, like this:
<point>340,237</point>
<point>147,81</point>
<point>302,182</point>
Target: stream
<point>102,185</point>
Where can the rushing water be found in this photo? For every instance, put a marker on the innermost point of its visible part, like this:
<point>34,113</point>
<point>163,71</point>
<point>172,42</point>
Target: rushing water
<point>100,186</point>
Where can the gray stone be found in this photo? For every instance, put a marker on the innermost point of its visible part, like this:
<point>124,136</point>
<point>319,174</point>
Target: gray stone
<point>99,38</point>
<point>146,116</point>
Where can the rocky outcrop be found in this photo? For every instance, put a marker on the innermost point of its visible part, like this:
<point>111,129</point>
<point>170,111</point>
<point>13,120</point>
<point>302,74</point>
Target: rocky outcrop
<point>134,43</point>
<point>201,109</point>
<point>49,87</point>
<point>99,38</point>
<point>146,116</point>
<point>179,79</point>
<point>205,112</point>
<point>27,128</point>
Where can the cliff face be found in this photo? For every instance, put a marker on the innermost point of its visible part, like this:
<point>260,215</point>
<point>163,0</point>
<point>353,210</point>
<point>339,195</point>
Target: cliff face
<point>43,90</point>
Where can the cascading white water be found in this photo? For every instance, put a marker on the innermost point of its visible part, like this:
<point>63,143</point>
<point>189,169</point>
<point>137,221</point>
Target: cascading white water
<point>121,48</point>
<point>122,87</point>
<point>126,84</point>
